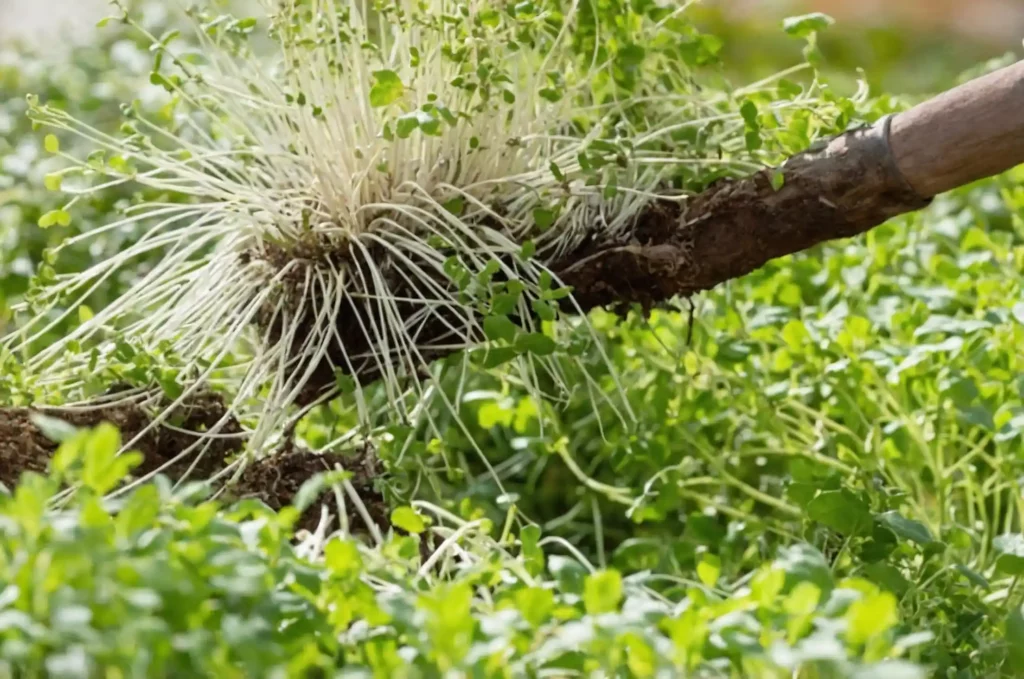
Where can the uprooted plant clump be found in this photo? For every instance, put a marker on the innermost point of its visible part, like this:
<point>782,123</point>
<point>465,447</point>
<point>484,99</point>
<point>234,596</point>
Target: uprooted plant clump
<point>397,183</point>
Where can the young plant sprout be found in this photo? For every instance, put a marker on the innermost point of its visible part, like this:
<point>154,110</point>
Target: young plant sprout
<point>340,192</point>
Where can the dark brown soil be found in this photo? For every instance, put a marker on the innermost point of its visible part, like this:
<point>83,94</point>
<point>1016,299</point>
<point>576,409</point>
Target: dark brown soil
<point>23,447</point>
<point>275,479</point>
<point>356,317</point>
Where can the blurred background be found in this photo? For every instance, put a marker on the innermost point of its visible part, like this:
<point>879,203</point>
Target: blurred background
<point>996,21</point>
<point>905,46</point>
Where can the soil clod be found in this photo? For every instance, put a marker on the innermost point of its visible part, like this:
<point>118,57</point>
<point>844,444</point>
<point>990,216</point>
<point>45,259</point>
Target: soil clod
<point>24,448</point>
<point>275,479</point>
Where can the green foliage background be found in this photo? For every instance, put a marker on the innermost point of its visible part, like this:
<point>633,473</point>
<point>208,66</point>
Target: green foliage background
<point>824,480</point>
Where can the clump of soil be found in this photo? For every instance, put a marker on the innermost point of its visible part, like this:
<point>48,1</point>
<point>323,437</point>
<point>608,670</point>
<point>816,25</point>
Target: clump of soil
<point>275,479</point>
<point>23,447</point>
<point>356,332</point>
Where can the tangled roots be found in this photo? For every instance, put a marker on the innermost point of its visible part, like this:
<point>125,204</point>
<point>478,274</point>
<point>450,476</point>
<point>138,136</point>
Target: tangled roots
<point>389,185</point>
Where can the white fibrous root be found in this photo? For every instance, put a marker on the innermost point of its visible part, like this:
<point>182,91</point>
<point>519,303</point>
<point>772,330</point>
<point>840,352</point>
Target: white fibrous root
<point>338,193</point>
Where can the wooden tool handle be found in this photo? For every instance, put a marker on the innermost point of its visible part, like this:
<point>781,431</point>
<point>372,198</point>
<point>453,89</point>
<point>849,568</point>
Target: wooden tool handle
<point>845,187</point>
<point>971,132</point>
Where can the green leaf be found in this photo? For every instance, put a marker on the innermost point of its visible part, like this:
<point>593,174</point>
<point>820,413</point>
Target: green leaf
<point>525,9</point>
<point>495,356</point>
<point>53,181</point>
<point>1018,312</point>
<point>803,563</point>
<point>558,293</point>
<point>489,18</point>
<point>939,323</point>
<point>778,180</point>
<point>766,585</point>
<point>455,205</point>
<point>535,604</point>
<point>798,492</point>
<point>528,250</point>
<point>544,310</point>
<point>505,303</point>
<point>53,428</point>
<point>602,592</point>
<point>387,88</point>
<point>487,273</point>
<point>842,511</point>
<point>871,616</point>
<point>118,164</point>
<point>803,599</point>
<point>880,545</point>
<point>888,577</point>
<point>802,26</point>
<point>141,510</point>
<point>499,328</point>
<point>544,218</point>
<point>709,568</point>
<point>531,553</point>
<point>907,529</point>
<point>429,124</point>
<point>611,188</point>
<point>448,116</point>
<point>51,144</point>
<point>342,557</point>
<point>492,414</point>
<point>49,219</point>
<point>1013,630</point>
<point>550,94</point>
<point>408,520</point>
<point>159,79</point>
<point>753,141</point>
<point>68,454</point>
<point>1010,548</point>
<point>102,444</point>
<point>104,468</point>
<point>544,280</point>
<point>172,388</point>
<point>345,383</point>
<point>94,514</point>
<point>406,125</point>
<point>749,112</point>
<point>631,56</point>
<point>536,343</point>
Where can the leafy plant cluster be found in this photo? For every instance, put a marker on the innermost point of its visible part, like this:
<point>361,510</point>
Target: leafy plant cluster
<point>865,398</point>
<point>384,170</point>
<point>819,478</point>
<point>164,583</point>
